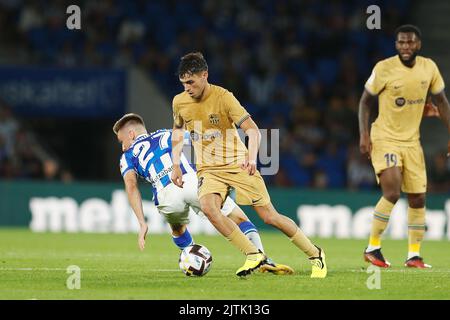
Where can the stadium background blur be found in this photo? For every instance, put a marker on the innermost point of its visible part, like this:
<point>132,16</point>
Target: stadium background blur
<point>297,66</point>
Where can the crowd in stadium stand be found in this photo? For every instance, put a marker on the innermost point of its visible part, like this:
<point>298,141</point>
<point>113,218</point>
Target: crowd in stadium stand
<point>295,65</point>
<point>22,155</point>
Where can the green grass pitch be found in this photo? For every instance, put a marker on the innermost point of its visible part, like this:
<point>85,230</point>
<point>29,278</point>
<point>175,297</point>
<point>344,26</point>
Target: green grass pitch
<point>34,266</point>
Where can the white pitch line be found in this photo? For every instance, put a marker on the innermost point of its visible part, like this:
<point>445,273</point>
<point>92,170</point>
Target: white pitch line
<point>403,271</point>
<point>82,269</point>
<point>412,271</point>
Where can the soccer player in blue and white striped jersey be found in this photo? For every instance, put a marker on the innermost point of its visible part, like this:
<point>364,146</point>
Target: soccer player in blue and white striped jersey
<point>148,155</point>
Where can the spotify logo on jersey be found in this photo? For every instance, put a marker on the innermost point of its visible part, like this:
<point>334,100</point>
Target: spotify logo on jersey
<point>400,102</point>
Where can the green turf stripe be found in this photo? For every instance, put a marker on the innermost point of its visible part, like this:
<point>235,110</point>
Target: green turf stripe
<point>34,266</point>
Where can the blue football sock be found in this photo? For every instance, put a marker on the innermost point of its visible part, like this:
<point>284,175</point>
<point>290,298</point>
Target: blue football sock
<point>250,231</point>
<point>247,226</point>
<point>184,240</point>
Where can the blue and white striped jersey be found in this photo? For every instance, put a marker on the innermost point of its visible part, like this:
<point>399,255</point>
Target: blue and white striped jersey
<point>150,157</point>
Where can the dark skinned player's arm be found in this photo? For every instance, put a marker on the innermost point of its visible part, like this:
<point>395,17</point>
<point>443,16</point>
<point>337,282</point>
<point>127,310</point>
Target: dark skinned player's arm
<point>444,113</point>
<point>365,103</point>
<point>444,108</point>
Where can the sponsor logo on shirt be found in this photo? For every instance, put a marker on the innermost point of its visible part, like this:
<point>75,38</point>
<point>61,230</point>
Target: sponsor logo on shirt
<point>206,136</point>
<point>400,102</point>
<point>160,175</point>
<point>417,101</point>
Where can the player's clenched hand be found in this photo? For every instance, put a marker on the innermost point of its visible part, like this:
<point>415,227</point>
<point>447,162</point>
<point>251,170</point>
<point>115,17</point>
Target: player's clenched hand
<point>177,176</point>
<point>365,146</point>
<point>448,148</point>
<point>142,234</point>
<point>430,110</point>
<point>250,166</point>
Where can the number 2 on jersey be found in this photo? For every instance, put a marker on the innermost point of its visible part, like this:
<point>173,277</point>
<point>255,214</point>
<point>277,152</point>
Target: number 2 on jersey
<point>142,149</point>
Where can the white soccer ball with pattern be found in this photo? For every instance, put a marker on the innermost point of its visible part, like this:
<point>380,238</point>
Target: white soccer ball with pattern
<point>195,260</point>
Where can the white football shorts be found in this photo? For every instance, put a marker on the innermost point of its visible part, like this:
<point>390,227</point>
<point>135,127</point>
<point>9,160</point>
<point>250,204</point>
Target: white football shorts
<point>174,202</point>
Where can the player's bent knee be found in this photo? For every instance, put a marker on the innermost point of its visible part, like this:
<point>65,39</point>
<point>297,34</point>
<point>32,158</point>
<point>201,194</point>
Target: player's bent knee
<point>271,219</point>
<point>238,219</point>
<point>268,214</point>
<point>209,209</point>
<point>416,201</point>
<point>392,196</point>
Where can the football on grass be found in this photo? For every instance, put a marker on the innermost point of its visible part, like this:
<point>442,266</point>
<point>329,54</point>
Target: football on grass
<point>195,260</point>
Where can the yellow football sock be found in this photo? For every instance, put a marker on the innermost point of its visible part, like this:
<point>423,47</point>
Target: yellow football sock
<point>304,244</point>
<point>239,240</point>
<point>416,229</point>
<point>380,220</point>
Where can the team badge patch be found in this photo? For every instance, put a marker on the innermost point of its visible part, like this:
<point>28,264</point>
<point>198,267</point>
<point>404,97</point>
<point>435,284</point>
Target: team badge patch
<point>214,119</point>
<point>424,84</point>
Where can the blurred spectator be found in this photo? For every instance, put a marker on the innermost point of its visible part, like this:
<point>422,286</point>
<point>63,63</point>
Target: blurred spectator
<point>30,17</point>
<point>67,57</point>
<point>53,172</point>
<point>131,30</point>
<point>3,151</point>
<point>439,174</point>
<point>331,163</point>
<point>337,121</point>
<point>321,180</point>
<point>21,154</point>
<point>261,86</point>
<point>360,173</point>
<point>282,179</point>
<point>8,129</point>
<point>296,65</point>
<point>124,58</point>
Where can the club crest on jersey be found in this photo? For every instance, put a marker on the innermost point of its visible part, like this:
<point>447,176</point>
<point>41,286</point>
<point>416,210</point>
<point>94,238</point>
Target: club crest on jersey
<point>400,102</point>
<point>424,84</point>
<point>214,119</point>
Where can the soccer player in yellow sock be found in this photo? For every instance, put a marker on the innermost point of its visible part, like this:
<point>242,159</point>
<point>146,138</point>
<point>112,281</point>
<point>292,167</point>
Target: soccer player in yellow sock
<point>402,84</point>
<point>380,221</point>
<point>416,232</point>
<point>224,164</point>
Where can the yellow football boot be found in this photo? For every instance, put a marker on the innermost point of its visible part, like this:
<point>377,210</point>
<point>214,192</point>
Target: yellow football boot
<point>276,268</point>
<point>254,260</point>
<point>319,265</point>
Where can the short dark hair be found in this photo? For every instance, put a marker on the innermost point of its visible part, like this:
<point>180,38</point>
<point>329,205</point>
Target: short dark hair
<point>192,63</point>
<point>408,28</point>
<point>128,118</point>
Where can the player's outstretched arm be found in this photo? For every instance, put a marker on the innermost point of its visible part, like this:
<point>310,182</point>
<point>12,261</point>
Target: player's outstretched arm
<point>177,148</point>
<point>254,139</point>
<point>444,113</point>
<point>134,197</point>
<point>365,102</point>
<point>177,145</point>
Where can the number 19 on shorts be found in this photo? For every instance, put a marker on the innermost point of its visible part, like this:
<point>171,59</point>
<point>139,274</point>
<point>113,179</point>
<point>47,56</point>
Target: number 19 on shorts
<point>391,159</point>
